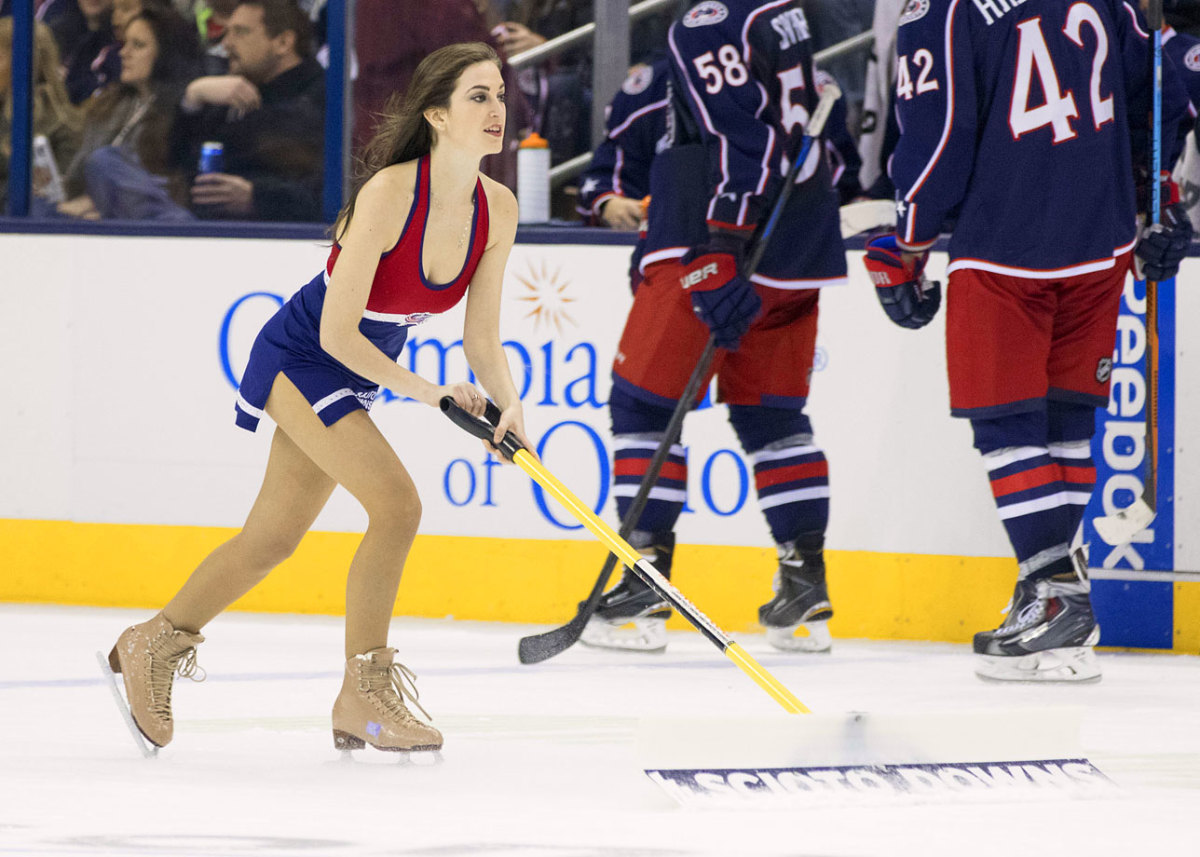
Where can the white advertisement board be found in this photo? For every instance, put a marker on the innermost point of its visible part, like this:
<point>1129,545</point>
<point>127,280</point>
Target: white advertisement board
<point>120,356</point>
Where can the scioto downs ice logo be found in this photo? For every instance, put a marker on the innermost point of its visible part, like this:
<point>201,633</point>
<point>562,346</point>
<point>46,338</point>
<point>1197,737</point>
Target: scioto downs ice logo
<point>703,14</point>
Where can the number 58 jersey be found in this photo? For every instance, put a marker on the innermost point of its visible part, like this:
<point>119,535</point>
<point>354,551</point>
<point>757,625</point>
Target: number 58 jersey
<point>743,88</point>
<point>1021,122</point>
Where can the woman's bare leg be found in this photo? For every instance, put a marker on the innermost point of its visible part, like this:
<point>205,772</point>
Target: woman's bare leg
<point>293,492</point>
<point>355,453</point>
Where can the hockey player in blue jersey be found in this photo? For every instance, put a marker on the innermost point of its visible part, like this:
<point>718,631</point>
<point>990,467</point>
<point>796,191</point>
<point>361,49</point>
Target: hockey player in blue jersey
<point>618,178</point>
<point>615,186</point>
<point>1021,125</point>
<point>741,85</point>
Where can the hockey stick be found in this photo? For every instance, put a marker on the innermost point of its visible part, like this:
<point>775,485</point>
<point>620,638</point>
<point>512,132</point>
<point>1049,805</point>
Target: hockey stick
<point>1120,527</point>
<point>512,449</point>
<point>539,647</point>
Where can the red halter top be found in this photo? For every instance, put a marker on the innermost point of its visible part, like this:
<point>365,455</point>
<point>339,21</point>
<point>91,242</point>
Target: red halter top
<point>400,293</point>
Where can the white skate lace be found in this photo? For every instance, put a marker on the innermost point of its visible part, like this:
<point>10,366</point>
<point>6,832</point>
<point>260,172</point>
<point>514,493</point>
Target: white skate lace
<point>163,669</point>
<point>401,674</point>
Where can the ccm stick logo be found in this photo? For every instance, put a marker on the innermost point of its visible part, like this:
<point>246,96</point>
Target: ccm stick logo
<point>695,278</point>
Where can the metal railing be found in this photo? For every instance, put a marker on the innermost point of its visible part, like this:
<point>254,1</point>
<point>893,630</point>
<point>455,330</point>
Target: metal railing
<point>560,44</point>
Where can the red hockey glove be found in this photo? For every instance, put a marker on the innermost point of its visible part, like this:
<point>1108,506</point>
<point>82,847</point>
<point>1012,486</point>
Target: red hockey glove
<point>908,298</point>
<point>721,297</point>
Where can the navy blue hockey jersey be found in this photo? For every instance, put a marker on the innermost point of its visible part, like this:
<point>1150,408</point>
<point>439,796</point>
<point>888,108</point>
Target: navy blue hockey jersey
<point>1016,120</point>
<point>743,81</point>
<point>636,126</point>
<point>636,129</point>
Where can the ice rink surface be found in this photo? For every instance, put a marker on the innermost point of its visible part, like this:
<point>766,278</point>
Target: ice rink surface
<point>539,760</point>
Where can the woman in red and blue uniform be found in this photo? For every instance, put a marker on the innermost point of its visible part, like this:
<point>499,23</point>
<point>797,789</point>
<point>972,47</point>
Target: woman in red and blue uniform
<point>423,230</point>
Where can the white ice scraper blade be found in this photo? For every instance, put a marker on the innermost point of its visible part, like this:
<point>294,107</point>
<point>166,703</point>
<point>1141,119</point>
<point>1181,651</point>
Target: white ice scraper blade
<point>841,758</point>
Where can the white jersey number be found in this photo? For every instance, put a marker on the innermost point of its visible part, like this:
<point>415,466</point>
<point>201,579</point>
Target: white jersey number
<point>923,60</point>
<point>792,112</point>
<point>731,71</point>
<point>1033,58</point>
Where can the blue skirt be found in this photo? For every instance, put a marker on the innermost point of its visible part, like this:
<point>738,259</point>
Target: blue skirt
<point>290,343</point>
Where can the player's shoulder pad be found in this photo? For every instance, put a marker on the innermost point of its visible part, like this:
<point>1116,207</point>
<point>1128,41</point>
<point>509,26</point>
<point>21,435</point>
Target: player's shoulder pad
<point>638,80</point>
<point>704,14</point>
<point>1187,48</point>
<point>914,10</point>
<point>645,85</point>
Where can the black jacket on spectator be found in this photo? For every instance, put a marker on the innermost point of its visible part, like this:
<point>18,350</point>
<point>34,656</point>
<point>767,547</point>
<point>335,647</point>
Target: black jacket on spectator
<point>278,147</point>
<point>90,58</point>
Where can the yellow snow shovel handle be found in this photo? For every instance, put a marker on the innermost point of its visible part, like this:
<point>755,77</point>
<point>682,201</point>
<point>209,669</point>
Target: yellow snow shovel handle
<point>511,448</point>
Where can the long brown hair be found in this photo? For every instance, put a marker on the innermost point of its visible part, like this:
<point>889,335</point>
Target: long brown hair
<point>52,108</point>
<point>403,133</point>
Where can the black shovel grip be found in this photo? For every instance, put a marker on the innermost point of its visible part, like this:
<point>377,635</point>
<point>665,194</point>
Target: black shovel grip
<point>484,429</point>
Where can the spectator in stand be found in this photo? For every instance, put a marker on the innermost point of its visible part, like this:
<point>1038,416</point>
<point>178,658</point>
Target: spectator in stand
<point>559,89</point>
<point>122,167</point>
<point>90,59</point>
<point>212,19</point>
<point>389,53</point>
<point>269,114</point>
<point>54,117</point>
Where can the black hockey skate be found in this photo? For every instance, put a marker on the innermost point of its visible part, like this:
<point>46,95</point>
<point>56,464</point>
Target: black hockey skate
<point>631,615</point>
<point>1049,635</point>
<point>801,601</point>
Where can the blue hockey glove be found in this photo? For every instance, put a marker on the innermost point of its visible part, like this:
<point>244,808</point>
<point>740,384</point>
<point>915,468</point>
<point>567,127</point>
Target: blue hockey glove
<point>721,298</point>
<point>908,298</point>
<point>1163,246</point>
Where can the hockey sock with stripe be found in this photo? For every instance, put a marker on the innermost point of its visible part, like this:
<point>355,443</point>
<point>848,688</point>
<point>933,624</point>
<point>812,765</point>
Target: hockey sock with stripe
<point>1070,429</point>
<point>1029,490</point>
<point>791,474</point>
<point>631,460</point>
<point>792,480</point>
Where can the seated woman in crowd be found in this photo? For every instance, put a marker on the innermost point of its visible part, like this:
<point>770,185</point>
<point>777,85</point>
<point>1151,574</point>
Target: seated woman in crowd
<point>54,117</point>
<point>121,169</point>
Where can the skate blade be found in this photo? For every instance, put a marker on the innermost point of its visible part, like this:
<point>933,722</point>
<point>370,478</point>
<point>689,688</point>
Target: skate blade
<point>417,757</point>
<point>1077,664</point>
<point>818,639</point>
<point>402,758</point>
<point>646,634</point>
<point>150,751</point>
<point>420,755</point>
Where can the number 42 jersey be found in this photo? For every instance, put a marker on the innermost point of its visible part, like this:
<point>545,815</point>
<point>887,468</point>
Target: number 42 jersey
<point>1021,122</point>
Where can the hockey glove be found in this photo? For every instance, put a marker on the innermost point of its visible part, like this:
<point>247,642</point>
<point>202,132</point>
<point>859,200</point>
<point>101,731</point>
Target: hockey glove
<point>721,298</point>
<point>1161,247</point>
<point>908,298</point>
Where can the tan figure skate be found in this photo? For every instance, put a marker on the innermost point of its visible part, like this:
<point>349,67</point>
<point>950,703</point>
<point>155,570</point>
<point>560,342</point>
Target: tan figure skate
<point>371,710</point>
<point>148,656</point>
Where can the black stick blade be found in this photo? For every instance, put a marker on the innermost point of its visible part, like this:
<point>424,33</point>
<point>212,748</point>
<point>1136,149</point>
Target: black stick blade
<point>541,647</point>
